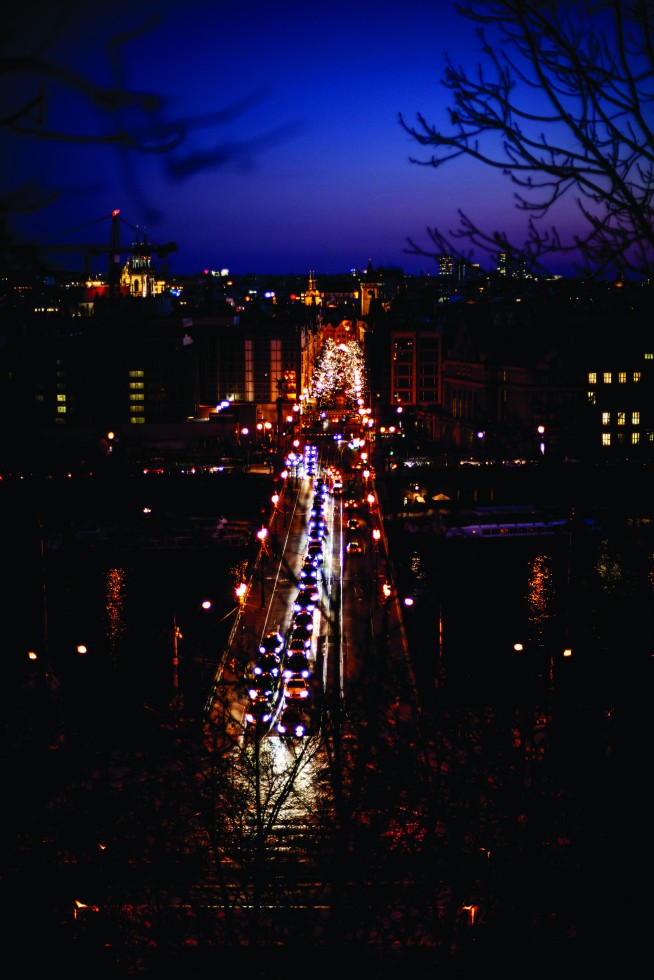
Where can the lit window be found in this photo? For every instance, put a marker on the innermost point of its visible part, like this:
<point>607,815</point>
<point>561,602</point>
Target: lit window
<point>606,418</point>
<point>136,385</point>
<point>137,374</point>
<point>136,396</point>
<point>61,409</point>
<point>592,398</point>
<point>649,357</point>
<point>606,438</point>
<point>592,377</point>
<point>135,420</point>
<point>622,418</point>
<point>137,408</point>
<point>635,418</point>
<point>61,398</point>
<point>636,375</point>
<point>607,378</point>
<point>635,438</point>
<point>622,377</point>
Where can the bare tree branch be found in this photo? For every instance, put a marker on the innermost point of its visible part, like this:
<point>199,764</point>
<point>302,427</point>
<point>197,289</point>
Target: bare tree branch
<point>563,107</point>
<point>37,80</point>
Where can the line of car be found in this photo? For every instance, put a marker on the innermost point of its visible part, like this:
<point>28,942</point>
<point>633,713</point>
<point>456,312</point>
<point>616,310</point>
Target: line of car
<point>281,675</point>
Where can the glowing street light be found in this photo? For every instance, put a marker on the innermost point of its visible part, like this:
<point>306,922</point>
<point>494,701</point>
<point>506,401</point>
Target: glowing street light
<point>262,534</point>
<point>376,535</point>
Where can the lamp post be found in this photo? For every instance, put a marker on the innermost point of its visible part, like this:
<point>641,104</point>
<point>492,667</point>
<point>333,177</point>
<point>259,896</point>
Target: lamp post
<point>284,476</point>
<point>241,591</point>
<point>376,535</point>
<point>177,635</point>
<point>262,534</point>
<point>244,433</point>
<point>275,501</point>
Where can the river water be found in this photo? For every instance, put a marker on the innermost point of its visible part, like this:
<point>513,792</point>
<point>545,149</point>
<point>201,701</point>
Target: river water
<point>589,591</point>
<point>472,600</point>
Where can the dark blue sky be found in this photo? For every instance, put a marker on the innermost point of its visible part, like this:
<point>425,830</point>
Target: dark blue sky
<point>309,170</point>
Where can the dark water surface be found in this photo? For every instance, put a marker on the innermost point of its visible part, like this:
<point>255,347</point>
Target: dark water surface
<point>77,577</point>
<point>473,600</point>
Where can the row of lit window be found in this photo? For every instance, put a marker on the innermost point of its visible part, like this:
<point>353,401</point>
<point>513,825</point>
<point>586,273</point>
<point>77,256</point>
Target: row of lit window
<point>621,418</point>
<point>607,377</point>
<point>606,438</point>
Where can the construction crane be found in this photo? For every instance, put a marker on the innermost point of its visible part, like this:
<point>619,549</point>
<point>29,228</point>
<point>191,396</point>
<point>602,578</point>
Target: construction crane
<point>112,248</point>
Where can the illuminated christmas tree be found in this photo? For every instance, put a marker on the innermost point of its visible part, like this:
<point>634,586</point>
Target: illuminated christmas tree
<point>340,370</point>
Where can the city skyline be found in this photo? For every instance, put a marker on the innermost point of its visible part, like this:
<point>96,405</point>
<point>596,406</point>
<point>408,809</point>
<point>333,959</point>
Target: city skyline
<point>277,147</point>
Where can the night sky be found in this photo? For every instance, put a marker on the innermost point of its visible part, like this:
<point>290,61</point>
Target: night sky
<point>280,122</point>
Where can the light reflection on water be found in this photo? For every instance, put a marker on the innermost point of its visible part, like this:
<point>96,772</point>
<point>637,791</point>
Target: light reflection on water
<point>116,624</point>
<point>123,611</point>
<point>540,597</point>
<point>597,598</point>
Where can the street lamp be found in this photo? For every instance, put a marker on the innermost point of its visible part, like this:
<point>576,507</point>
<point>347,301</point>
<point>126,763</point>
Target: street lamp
<point>275,501</point>
<point>177,635</point>
<point>376,535</point>
<point>284,476</point>
<point>246,432</point>
<point>262,534</point>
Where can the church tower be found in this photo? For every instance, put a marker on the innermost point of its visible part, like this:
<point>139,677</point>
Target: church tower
<point>312,295</point>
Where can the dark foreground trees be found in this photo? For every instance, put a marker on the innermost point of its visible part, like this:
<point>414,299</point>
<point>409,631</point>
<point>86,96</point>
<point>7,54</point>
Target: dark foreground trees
<point>561,105</point>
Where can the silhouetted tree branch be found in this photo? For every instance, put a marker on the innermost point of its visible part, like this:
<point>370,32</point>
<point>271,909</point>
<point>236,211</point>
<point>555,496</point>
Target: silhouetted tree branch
<point>562,107</point>
<point>39,80</point>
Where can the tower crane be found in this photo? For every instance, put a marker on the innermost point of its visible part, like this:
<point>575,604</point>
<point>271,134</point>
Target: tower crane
<point>112,248</point>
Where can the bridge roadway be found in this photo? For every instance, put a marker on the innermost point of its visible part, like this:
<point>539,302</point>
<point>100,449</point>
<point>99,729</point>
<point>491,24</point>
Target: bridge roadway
<point>355,614</point>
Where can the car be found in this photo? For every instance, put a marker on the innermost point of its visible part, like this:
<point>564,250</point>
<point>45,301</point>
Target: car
<point>303,620</point>
<point>308,571</point>
<point>262,712</point>
<point>292,723</point>
<point>296,688</point>
<point>268,663</point>
<point>354,547</point>
<point>299,641</point>
<point>306,585</point>
<point>272,642</point>
<point>314,552</point>
<point>261,688</point>
<point>304,602</point>
<point>297,665</point>
<point>353,524</point>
